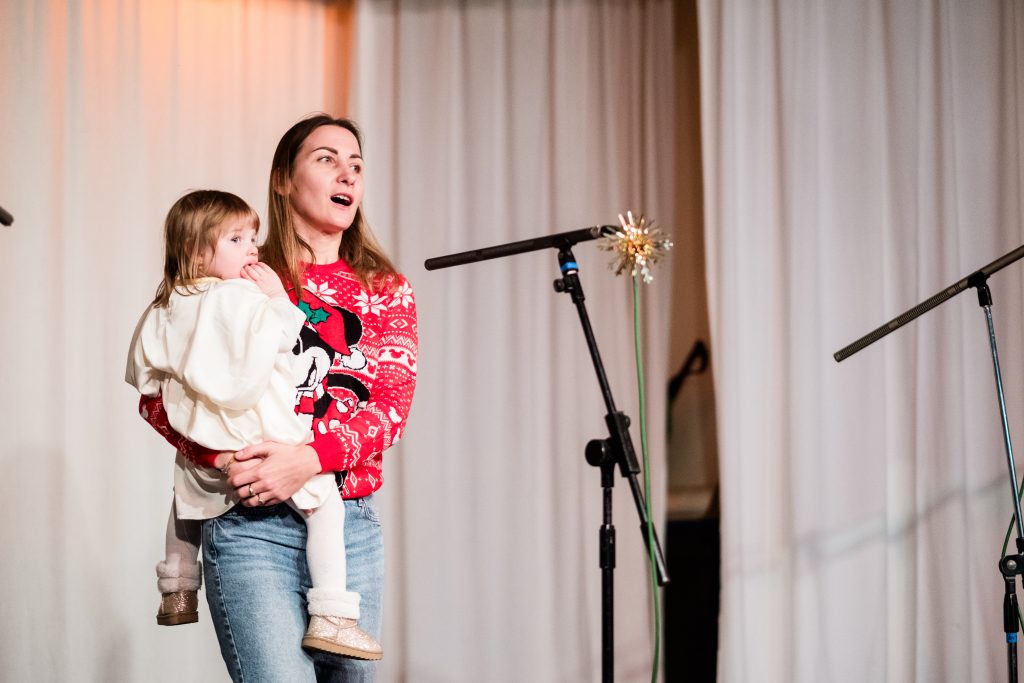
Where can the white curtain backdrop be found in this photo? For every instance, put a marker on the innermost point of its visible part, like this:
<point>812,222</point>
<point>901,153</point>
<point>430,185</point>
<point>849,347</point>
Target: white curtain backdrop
<point>110,111</point>
<point>860,157</point>
<point>494,122</point>
<point>485,123</point>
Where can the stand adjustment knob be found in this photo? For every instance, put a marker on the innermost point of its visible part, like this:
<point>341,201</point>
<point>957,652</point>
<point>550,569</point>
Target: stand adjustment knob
<point>1011,565</point>
<point>597,452</point>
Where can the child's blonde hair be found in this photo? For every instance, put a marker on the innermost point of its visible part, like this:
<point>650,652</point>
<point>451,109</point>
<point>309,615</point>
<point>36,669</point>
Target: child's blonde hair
<point>192,227</point>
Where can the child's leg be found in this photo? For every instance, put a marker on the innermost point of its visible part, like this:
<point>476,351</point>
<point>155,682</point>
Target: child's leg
<point>325,555</point>
<point>179,576</point>
<point>181,543</point>
<point>333,609</point>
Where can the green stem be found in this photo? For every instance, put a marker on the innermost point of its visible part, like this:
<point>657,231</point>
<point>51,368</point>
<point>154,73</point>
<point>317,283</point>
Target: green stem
<point>655,594</point>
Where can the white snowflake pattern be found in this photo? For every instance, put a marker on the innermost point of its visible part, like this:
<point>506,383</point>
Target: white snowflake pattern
<point>374,304</point>
<point>402,296</point>
<point>323,291</point>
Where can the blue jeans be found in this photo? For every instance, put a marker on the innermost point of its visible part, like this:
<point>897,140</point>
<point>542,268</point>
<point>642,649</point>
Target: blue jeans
<point>256,583</point>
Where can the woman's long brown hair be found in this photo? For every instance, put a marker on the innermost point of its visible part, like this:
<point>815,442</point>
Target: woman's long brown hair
<point>285,251</point>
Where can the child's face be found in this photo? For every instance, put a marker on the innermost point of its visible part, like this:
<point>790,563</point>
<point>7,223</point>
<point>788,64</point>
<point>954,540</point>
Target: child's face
<point>236,248</point>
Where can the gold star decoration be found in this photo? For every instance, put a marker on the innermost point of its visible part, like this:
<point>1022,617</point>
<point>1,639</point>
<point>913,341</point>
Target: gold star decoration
<point>637,245</point>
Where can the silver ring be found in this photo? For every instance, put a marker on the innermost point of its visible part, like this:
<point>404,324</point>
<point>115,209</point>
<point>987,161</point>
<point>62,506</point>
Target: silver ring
<point>251,494</point>
<point>259,500</point>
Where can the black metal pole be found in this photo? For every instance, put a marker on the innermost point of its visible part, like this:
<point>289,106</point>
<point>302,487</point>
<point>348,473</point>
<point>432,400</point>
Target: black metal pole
<point>607,551</point>
<point>1010,565</point>
<point>616,450</point>
<point>558,240</point>
<point>927,305</point>
<point>985,301</point>
<point>619,441</point>
<point>599,455</point>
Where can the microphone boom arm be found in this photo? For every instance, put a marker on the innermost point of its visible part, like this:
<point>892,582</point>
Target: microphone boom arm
<point>557,241</point>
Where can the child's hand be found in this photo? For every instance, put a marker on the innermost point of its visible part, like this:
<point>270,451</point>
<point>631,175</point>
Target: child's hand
<point>224,461</point>
<point>265,278</point>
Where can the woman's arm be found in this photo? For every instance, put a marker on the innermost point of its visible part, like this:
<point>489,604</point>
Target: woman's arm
<point>380,423</point>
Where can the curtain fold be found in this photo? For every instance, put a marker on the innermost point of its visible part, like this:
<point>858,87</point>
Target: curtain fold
<point>111,110</point>
<point>495,122</point>
<point>485,123</point>
<point>860,157</point>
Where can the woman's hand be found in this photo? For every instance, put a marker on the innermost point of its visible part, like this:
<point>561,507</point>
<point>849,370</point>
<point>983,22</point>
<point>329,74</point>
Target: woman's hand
<point>269,472</point>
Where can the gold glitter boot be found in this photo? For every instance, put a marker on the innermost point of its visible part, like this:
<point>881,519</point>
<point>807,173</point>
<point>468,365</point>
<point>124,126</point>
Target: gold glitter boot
<point>179,607</point>
<point>342,637</point>
<point>178,582</point>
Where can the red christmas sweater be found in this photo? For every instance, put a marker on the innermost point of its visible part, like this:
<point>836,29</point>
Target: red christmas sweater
<point>357,372</point>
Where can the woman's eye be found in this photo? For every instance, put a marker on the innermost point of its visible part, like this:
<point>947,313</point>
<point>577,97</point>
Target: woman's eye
<point>357,168</point>
<point>236,239</point>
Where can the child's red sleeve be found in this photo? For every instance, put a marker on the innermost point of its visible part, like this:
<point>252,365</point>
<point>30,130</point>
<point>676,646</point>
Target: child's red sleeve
<point>152,410</point>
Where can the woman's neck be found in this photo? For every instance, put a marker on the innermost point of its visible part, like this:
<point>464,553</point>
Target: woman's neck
<point>325,246</point>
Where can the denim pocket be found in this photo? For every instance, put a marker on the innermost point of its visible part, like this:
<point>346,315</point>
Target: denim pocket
<point>367,509</point>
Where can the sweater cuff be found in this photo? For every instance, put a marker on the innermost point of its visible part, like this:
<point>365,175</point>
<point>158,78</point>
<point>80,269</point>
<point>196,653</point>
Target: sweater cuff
<point>204,457</point>
<point>331,457</point>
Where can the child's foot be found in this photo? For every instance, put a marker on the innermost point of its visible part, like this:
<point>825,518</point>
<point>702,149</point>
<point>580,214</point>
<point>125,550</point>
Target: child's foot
<point>341,636</point>
<point>178,580</point>
<point>179,607</point>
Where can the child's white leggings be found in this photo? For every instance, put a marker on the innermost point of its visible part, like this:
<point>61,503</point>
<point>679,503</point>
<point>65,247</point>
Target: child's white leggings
<point>325,555</point>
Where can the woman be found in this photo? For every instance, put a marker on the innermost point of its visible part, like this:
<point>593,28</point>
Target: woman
<point>357,359</point>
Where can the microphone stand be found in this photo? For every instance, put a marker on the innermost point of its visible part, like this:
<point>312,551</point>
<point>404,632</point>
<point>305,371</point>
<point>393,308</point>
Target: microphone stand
<point>617,449</point>
<point>1011,565</point>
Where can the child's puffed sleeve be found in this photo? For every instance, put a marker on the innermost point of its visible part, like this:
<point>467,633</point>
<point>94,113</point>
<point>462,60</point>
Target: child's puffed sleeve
<point>238,335</point>
<point>138,371</point>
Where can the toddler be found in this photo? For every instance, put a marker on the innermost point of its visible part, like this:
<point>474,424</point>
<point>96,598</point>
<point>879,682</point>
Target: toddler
<point>216,343</point>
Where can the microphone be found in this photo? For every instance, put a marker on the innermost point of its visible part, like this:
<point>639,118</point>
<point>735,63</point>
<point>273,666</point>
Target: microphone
<point>558,240</point>
<point>5,218</point>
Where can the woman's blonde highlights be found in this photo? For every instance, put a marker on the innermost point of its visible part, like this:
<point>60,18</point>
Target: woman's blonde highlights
<point>285,251</point>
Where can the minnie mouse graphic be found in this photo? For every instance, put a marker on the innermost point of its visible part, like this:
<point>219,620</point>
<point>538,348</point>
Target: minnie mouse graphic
<point>328,339</point>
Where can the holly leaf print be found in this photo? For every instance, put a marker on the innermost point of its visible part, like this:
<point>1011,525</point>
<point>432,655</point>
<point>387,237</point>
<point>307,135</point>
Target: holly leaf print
<point>314,316</point>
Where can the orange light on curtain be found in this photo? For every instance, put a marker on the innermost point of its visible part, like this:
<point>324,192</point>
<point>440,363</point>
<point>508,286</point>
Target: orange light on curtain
<point>339,37</point>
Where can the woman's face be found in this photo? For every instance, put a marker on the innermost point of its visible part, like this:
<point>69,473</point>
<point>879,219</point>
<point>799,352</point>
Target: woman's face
<point>326,185</point>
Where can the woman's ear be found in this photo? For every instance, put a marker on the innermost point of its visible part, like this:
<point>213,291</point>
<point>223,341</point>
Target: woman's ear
<point>280,183</point>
